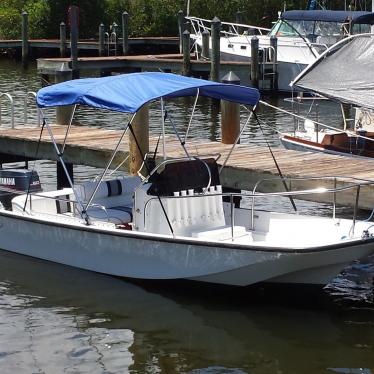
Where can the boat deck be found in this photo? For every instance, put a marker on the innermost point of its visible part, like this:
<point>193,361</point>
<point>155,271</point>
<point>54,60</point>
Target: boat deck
<point>92,146</point>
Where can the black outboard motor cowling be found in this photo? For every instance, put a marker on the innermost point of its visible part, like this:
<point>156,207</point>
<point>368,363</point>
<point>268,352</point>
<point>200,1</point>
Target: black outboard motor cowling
<point>16,181</point>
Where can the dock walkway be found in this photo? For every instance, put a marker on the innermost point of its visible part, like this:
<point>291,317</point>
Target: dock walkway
<point>92,146</point>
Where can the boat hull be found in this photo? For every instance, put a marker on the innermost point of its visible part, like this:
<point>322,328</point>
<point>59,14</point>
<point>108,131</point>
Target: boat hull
<point>145,256</point>
<point>298,144</point>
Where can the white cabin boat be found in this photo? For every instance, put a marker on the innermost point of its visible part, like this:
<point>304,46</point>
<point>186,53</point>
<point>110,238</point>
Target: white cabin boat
<point>175,223</point>
<point>302,36</point>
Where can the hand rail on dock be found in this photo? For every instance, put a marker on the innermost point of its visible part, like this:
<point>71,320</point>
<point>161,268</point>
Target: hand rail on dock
<point>10,99</point>
<point>25,107</point>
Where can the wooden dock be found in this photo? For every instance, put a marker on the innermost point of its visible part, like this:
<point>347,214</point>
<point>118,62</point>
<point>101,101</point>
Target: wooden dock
<point>92,146</point>
<point>169,62</point>
<point>89,44</point>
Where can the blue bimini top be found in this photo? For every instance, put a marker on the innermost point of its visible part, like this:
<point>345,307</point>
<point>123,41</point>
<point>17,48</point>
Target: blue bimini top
<point>129,92</point>
<point>341,16</point>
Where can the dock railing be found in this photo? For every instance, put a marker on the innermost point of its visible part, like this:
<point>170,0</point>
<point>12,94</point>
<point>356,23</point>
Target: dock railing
<point>11,101</point>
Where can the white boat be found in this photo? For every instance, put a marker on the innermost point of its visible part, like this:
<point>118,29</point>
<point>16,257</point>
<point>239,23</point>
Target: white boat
<point>302,36</point>
<point>342,74</point>
<point>174,224</point>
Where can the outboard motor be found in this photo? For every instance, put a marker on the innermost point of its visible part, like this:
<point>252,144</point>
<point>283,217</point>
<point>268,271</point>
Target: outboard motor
<point>16,181</point>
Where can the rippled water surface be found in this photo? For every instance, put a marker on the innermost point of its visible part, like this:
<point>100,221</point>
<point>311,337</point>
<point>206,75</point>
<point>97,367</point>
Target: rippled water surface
<point>56,319</point>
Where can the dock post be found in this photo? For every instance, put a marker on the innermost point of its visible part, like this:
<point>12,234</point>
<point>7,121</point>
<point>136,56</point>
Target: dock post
<point>216,53</point>
<point>230,114</point>
<point>274,44</point>
<point>186,53</point>
<point>140,127</point>
<point>181,28</point>
<point>63,113</point>
<point>62,39</point>
<point>74,32</point>
<point>125,33</point>
<point>205,45</point>
<point>25,37</point>
<point>239,19</point>
<point>62,180</point>
<point>254,61</point>
<point>101,40</point>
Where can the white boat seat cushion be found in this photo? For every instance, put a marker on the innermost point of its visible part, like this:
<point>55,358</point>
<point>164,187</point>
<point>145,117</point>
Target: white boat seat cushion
<point>117,215</point>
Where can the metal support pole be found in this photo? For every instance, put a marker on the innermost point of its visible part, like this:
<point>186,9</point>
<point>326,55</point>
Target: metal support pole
<point>125,33</point>
<point>186,54</point>
<point>62,39</point>
<point>25,38</point>
<point>216,53</point>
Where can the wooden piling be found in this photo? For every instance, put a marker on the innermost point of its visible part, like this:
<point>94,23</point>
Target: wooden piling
<point>125,33</point>
<point>74,35</point>
<point>62,180</point>
<point>62,39</point>
<point>215,53</point>
<point>140,127</point>
<point>101,40</point>
<point>186,54</point>
<point>254,61</point>
<point>239,19</point>
<point>25,37</point>
<point>181,28</point>
<point>63,113</point>
<point>274,44</point>
<point>230,114</point>
<point>205,45</point>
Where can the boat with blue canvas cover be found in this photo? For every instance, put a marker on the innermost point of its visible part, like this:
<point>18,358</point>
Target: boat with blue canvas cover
<point>342,74</point>
<point>302,36</point>
<point>176,222</point>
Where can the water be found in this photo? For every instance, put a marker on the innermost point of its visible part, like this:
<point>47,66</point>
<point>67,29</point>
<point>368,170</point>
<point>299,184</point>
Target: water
<point>56,319</point>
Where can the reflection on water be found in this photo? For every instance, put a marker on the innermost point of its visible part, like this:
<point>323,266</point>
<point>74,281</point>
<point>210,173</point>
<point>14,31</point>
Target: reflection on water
<point>57,319</point>
<point>54,316</point>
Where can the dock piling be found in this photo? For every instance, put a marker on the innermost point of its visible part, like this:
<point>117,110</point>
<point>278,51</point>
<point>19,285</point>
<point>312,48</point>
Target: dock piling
<point>25,37</point>
<point>63,113</point>
<point>101,39</point>
<point>125,33</point>
<point>74,35</point>
<point>62,39</point>
<point>140,128</point>
<point>216,53</point>
<point>230,114</point>
<point>254,61</point>
<point>274,44</point>
<point>181,29</point>
<point>186,54</point>
<point>205,45</point>
<point>62,179</point>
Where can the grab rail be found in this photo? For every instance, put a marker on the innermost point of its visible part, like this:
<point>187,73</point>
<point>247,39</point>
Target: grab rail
<point>254,195</point>
<point>25,101</point>
<point>10,99</point>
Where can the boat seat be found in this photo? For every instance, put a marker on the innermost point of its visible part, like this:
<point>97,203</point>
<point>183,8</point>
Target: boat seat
<point>117,215</point>
<point>113,201</point>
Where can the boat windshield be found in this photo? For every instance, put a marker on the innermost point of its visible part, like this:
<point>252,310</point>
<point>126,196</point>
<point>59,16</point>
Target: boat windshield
<point>316,30</point>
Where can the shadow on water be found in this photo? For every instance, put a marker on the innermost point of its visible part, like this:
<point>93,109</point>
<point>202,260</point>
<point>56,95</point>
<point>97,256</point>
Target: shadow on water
<point>54,318</point>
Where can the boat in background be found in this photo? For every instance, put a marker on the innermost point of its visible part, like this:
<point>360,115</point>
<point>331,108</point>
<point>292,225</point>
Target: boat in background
<point>176,222</point>
<point>342,74</point>
<point>303,35</point>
